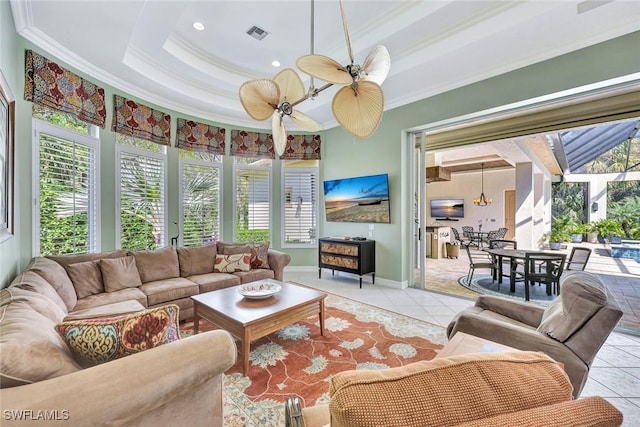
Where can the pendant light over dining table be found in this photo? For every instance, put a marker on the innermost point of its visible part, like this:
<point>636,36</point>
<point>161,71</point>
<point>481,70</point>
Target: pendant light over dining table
<point>357,106</point>
<point>482,200</point>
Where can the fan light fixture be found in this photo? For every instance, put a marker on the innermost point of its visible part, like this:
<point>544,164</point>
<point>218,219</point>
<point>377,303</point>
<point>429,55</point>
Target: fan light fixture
<point>482,200</point>
<point>357,106</point>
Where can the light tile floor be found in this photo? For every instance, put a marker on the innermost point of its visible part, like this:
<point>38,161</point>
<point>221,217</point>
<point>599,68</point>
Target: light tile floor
<point>615,374</point>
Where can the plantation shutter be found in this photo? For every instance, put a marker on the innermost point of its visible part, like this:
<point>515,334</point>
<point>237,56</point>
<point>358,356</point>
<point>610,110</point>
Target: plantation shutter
<point>142,199</point>
<point>253,217</point>
<point>200,204</point>
<point>300,207</point>
<point>67,196</point>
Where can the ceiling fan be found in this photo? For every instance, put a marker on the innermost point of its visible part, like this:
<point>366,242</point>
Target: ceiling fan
<point>357,106</point>
<point>276,98</point>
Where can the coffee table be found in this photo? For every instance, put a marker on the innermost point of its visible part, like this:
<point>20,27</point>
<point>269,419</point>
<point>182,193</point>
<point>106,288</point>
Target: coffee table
<point>250,319</point>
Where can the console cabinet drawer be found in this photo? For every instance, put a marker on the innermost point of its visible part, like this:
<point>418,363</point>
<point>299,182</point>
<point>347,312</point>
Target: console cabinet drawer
<point>336,261</point>
<point>338,248</point>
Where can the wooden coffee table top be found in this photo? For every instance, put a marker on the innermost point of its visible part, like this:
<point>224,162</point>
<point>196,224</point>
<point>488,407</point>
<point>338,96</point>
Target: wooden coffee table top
<point>231,304</point>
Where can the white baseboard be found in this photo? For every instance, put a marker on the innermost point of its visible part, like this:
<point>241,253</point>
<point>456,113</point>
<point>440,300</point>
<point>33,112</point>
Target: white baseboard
<point>379,280</point>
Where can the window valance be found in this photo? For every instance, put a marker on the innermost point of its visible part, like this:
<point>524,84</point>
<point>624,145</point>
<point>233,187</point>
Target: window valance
<point>139,121</point>
<point>252,144</point>
<point>48,84</point>
<point>200,137</point>
<point>302,147</point>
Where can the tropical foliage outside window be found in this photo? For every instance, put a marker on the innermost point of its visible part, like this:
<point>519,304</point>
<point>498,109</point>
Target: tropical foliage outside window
<point>142,201</point>
<point>66,185</point>
<point>300,203</point>
<point>568,203</point>
<point>252,199</point>
<point>623,206</point>
<point>200,197</point>
<point>64,120</point>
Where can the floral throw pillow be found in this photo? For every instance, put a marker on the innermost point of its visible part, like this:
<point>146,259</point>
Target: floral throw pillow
<point>232,263</point>
<point>99,340</point>
<point>259,258</point>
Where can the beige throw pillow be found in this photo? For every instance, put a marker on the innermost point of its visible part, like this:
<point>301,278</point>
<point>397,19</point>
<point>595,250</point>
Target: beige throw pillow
<point>236,249</point>
<point>157,264</point>
<point>120,273</point>
<point>198,260</point>
<point>86,278</point>
<point>232,263</point>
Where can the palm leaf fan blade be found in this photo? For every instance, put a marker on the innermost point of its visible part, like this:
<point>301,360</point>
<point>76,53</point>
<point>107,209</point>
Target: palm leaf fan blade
<point>290,85</point>
<point>359,111</point>
<point>305,122</point>
<point>377,65</point>
<point>346,32</point>
<point>259,98</point>
<point>324,68</point>
<point>279,133</point>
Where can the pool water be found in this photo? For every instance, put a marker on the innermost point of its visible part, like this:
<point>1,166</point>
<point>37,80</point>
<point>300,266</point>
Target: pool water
<point>626,250</point>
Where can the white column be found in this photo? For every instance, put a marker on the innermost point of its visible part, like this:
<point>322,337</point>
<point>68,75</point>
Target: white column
<point>598,194</point>
<point>542,207</point>
<point>525,203</point>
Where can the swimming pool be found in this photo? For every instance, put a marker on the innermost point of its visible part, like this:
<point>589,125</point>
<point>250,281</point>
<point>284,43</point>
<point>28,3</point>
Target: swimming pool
<point>626,250</point>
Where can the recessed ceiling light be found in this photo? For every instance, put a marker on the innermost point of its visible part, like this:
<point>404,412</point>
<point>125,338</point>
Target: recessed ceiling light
<point>276,63</point>
<point>198,26</point>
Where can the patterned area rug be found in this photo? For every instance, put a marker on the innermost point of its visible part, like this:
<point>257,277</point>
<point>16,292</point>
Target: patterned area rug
<point>483,284</point>
<point>298,361</point>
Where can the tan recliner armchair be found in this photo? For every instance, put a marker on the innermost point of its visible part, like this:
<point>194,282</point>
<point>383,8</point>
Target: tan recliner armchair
<point>571,329</point>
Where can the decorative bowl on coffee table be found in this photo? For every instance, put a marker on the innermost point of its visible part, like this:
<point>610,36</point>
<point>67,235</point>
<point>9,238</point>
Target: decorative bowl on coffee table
<point>259,290</point>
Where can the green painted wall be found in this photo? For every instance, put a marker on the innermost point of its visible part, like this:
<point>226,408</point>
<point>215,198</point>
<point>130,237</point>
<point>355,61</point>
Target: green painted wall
<point>385,152</point>
<point>9,64</point>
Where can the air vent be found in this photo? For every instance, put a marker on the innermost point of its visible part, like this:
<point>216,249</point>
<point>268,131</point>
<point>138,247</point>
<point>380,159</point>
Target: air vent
<point>257,32</point>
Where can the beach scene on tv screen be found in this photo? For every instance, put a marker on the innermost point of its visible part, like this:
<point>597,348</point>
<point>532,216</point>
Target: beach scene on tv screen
<point>447,208</point>
<point>361,199</point>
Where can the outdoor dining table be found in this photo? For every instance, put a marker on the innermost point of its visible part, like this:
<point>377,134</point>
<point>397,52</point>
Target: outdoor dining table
<point>514,255</point>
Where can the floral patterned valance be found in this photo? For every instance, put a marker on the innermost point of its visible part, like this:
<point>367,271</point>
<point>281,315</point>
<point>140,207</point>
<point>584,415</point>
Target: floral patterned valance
<point>252,144</point>
<point>200,137</point>
<point>302,147</point>
<point>140,121</point>
<point>48,84</point>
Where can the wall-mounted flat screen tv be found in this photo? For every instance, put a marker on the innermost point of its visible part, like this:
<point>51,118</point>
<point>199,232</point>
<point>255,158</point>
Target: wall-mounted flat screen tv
<point>447,208</point>
<point>359,199</point>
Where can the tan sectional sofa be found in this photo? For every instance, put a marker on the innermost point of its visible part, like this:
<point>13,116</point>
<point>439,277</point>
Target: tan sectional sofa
<point>179,381</point>
<point>97,284</point>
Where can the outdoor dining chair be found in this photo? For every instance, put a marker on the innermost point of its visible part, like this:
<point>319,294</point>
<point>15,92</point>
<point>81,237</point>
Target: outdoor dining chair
<point>543,268</point>
<point>456,236</point>
<point>578,258</point>
<point>467,231</point>
<point>480,260</point>
<point>509,263</point>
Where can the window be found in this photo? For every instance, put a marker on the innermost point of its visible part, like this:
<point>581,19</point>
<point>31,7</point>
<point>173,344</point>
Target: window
<point>65,189</point>
<point>141,194</point>
<point>300,203</point>
<point>65,120</point>
<point>252,199</point>
<point>200,175</point>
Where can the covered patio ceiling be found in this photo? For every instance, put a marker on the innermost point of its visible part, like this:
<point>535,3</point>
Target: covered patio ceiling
<point>561,153</point>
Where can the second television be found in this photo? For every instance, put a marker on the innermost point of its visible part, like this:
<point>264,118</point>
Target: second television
<point>447,208</point>
<point>358,199</point>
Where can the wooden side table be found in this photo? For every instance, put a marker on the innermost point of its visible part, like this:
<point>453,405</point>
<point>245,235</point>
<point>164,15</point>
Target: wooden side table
<point>463,343</point>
